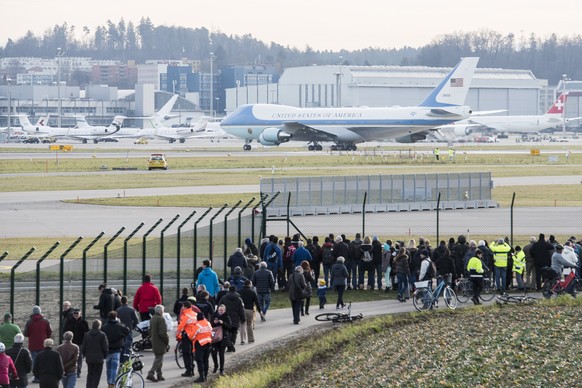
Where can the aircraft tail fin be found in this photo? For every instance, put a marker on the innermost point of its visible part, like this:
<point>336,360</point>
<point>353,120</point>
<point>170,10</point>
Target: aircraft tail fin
<point>453,89</point>
<point>167,108</point>
<point>558,107</point>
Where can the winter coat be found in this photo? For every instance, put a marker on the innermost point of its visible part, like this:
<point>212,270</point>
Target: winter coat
<point>48,366</point>
<point>6,368</point>
<point>296,284</point>
<point>376,252</point>
<point>249,298</point>
<point>300,255</point>
<point>237,259</point>
<point>37,329</point>
<point>69,355</point>
<point>226,325</point>
<point>402,265</point>
<point>116,333</point>
<point>210,279</point>
<point>341,249</point>
<point>78,327</point>
<point>309,282</point>
<point>146,297</point>
<point>128,316</point>
<point>109,300</point>
<point>263,281</point>
<point>95,346</point>
<point>22,361</point>
<point>339,275</point>
<point>234,308</point>
<point>159,334</point>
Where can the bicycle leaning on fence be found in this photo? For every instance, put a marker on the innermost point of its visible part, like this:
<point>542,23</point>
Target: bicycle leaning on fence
<point>339,317</point>
<point>425,299</point>
<point>464,289</point>
<point>129,375</point>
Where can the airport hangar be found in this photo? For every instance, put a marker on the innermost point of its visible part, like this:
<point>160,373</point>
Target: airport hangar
<point>517,92</point>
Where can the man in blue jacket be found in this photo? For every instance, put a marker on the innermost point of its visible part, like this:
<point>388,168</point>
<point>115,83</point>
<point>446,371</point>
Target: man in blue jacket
<point>274,258</point>
<point>301,254</point>
<point>208,278</point>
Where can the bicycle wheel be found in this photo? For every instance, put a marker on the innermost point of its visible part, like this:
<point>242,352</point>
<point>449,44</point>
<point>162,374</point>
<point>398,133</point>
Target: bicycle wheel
<point>488,292</point>
<point>327,317</point>
<point>178,355</point>
<point>547,288</point>
<point>464,291</point>
<point>450,298</point>
<point>422,299</point>
<point>130,380</point>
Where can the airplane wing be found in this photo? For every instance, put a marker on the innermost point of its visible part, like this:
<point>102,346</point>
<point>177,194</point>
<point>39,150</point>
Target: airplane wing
<point>487,112</point>
<point>573,119</point>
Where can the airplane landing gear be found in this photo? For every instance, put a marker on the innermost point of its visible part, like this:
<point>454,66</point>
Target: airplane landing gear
<point>344,147</point>
<point>182,140</point>
<point>247,146</point>
<point>315,147</point>
<point>171,141</point>
<point>95,141</point>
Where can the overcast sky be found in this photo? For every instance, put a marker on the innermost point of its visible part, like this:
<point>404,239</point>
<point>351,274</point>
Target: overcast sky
<point>321,24</point>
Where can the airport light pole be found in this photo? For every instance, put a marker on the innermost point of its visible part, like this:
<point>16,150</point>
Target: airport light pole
<point>212,58</point>
<point>60,53</point>
<point>339,89</point>
<point>8,130</point>
<point>564,79</point>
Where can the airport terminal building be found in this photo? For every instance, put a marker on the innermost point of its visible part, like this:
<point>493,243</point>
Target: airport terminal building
<point>518,92</point>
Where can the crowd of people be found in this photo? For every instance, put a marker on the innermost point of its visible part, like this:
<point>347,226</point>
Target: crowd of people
<point>209,321</point>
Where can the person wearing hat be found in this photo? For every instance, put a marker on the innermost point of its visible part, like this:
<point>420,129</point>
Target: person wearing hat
<point>178,303</point>
<point>22,360</point>
<point>48,366</point>
<point>202,340</point>
<point>322,293</point>
<point>78,326</point>
<point>500,251</point>
<point>37,329</point>
<point>8,330</point>
<point>6,367</point>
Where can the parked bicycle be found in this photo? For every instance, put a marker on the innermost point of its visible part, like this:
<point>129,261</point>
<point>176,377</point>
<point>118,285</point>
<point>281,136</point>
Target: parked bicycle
<point>339,317</point>
<point>553,285</point>
<point>129,375</point>
<point>425,299</point>
<point>178,355</point>
<point>464,289</point>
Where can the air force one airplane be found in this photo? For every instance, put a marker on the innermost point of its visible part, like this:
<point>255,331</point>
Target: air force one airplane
<point>272,125</point>
<point>510,124</point>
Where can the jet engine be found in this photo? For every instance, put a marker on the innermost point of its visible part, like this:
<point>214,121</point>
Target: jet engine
<point>462,131</point>
<point>274,136</point>
<point>412,138</point>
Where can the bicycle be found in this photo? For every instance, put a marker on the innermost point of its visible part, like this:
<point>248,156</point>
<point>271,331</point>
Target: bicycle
<point>464,289</point>
<point>178,355</point>
<point>556,286</point>
<point>129,375</point>
<point>425,299</point>
<point>339,317</point>
<point>517,299</point>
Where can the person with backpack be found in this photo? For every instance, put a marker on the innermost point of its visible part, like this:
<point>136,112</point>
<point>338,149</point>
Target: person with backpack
<point>427,271</point>
<point>367,264</point>
<point>356,259</point>
<point>327,258</point>
<point>288,252</point>
<point>274,258</point>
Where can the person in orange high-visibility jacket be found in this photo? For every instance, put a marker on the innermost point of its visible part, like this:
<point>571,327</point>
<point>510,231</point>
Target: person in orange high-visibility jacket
<point>202,340</point>
<point>185,332</point>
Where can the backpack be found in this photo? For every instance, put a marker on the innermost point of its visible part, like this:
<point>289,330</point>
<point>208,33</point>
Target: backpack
<point>430,273</point>
<point>327,255</point>
<point>367,257</point>
<point>272,257</point>
<point>289,254</point>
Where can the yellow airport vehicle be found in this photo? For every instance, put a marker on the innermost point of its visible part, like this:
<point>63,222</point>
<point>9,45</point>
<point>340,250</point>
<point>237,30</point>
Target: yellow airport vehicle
<point>157,161</point>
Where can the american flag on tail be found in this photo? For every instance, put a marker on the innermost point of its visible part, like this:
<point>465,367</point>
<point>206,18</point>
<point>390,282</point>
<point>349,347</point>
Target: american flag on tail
<point>456,82</point>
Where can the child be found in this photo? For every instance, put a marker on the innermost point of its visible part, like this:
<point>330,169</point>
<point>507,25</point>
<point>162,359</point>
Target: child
<point>321,293</point>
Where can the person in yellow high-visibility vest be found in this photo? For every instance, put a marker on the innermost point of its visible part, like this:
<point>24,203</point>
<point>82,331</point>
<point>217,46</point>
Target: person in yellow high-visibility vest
<point>519,267</point>
<point>475,268</point>
<point>500,257</point>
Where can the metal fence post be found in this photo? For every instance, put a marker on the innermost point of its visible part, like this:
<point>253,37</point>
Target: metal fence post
<point>225,232</point>
<point>38,262</point>
<point>264,219</point>
<point>364,213</point>
<point>162,254</point>
<point>239,220</point>
<point>210,243</point>
<point>288,216</point>
<point>84,282</point>
<point>62,280</point>
<point>105,258</point>
<point>438,217</point>
<point>26,255</point>
<point>3,255</point>
<point>511,220</point>
<point>125,256</point>
<point>143,249</point>
<point>195,247</point>
<point>179,253</point>
<point>254,212</point>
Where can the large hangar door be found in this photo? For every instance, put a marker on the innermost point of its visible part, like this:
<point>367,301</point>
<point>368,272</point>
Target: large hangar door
<point>523,102</point>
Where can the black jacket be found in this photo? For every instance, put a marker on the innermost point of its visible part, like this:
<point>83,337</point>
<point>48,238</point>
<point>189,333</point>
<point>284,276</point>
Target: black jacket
<point>95,346</point>
<point>115,333</point>
<point>263,280</point>
<point>108,301</point>
<point>79,327</point>
<point>22,362</point>
<point>249,298</point>
<point>48,366</point>
<point>234,308</point>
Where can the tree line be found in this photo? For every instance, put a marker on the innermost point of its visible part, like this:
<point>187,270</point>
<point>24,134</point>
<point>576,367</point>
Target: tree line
<point>548,58</point>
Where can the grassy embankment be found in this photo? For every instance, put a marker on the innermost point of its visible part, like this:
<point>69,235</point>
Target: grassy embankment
<point>477,346</point>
